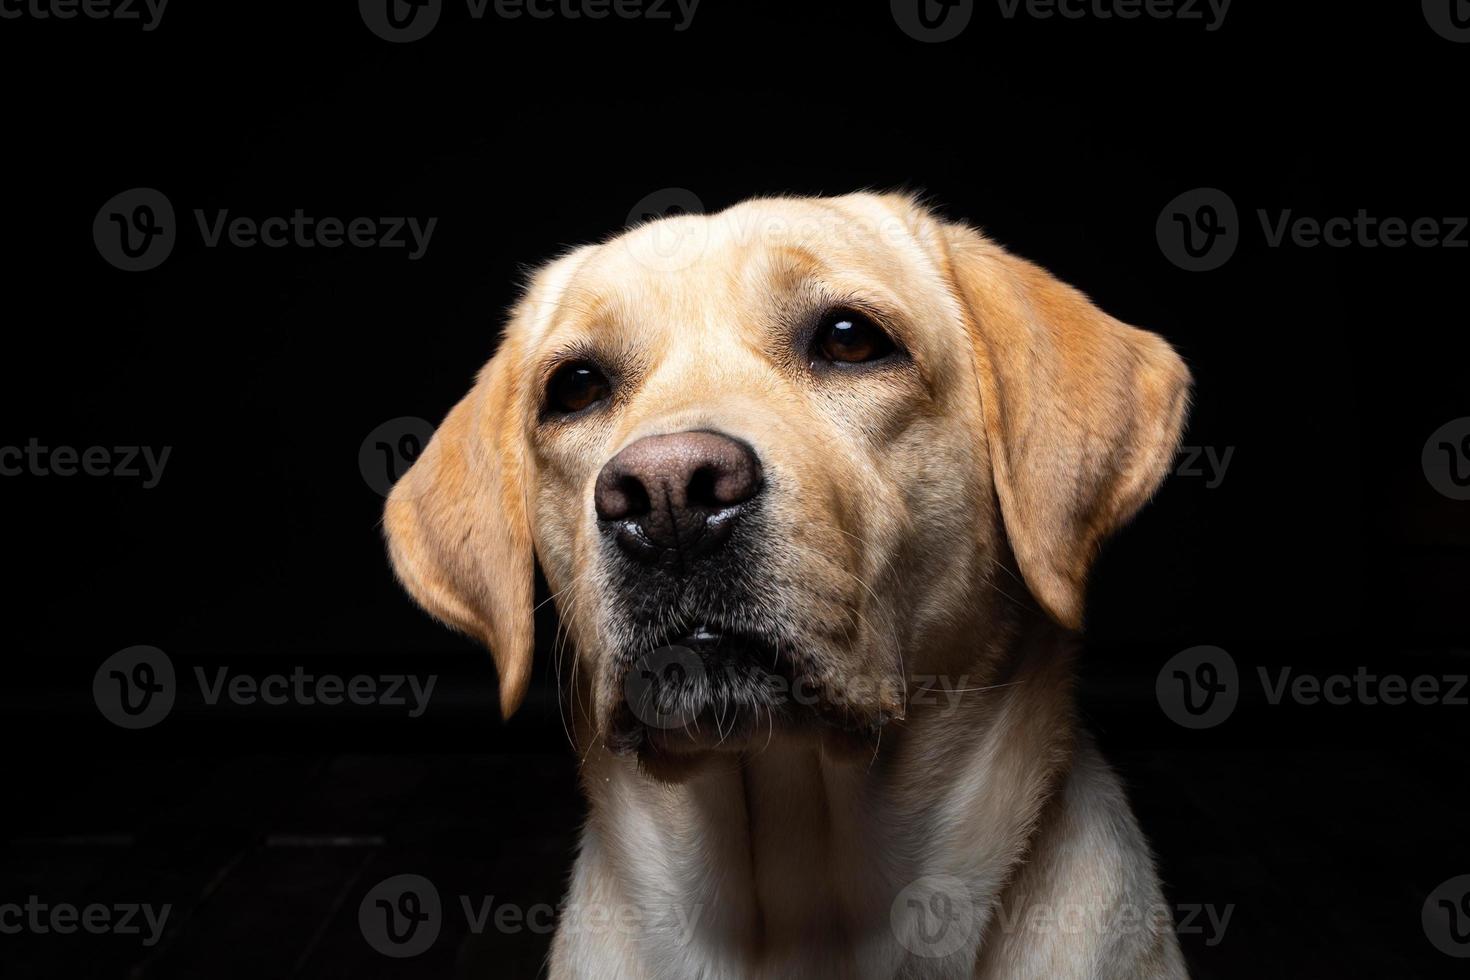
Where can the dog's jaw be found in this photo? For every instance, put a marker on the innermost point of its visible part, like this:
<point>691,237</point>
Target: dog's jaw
<point>714,694</point>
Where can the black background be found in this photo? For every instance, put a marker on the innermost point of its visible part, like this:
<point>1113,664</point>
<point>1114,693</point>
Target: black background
<point>1325,370</point>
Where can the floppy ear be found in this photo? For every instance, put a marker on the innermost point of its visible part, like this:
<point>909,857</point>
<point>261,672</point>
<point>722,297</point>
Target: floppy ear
<point>1082,414</point>
<point>458,531</point>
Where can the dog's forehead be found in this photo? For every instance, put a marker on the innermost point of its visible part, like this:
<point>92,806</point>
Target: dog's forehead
<point>689,266</point>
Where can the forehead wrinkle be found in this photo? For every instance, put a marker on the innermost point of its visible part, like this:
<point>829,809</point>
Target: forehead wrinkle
<point>918,265</point>
<point>570,322</point>
<point>783,285</point>
<point>756,258</point>
<point>852,240</point>
<point>542,300</point>
<point>635,319</point>
<point>599,326</point>
<point>790,266</point>
<point>796,273</point>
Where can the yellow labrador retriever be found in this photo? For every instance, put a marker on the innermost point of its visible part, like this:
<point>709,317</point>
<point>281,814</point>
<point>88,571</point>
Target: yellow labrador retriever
<point>816,484</point>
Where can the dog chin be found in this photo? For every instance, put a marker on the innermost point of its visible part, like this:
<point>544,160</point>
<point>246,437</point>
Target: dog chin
<point>711,695</point>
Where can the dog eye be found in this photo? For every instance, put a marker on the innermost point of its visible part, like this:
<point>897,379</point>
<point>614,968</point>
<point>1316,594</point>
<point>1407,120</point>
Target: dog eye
<point>575,386</point>
<point>849,337</point>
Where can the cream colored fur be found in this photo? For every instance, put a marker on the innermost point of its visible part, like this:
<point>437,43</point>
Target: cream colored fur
<point>932,526</point>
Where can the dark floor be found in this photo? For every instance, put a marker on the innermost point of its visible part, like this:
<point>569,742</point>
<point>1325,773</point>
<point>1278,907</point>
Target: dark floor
<point>1319,836</point>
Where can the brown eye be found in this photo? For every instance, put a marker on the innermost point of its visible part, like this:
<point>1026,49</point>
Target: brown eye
<point>849,337</point>
<point>576,386</point>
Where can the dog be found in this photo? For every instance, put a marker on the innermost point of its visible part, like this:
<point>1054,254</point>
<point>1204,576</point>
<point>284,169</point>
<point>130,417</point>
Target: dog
<point>815,484</point>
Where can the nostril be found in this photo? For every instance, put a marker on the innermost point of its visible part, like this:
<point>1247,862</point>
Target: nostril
<point>634,497</point>
<point>702,490</point>
<point>724,483</point>
<point>620,496</point>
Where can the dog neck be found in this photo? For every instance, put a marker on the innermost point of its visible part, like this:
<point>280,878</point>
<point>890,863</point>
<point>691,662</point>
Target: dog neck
<point>787,855</point>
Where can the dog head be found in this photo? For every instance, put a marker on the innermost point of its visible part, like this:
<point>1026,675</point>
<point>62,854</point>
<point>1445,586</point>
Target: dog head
<point>770,460</point>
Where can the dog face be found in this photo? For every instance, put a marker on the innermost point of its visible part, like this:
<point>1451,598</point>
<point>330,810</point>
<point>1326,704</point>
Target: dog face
<point>769,461</point>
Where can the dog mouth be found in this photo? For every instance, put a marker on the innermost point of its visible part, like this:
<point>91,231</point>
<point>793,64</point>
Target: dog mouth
<point>714,690</point>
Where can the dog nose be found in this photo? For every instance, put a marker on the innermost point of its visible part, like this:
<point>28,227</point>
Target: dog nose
<point>672,498</point>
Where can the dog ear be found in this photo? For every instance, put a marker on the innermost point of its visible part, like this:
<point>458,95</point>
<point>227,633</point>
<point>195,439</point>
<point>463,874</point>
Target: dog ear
<point>458,527</point>
<point>1082,414</point>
